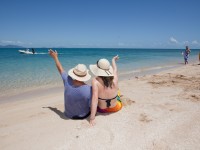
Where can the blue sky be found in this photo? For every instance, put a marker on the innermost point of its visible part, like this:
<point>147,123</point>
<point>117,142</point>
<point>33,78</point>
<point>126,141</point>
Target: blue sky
<point>100,23</point>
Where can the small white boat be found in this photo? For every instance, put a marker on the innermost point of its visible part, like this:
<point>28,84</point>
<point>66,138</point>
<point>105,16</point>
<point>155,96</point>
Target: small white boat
<point>25,51</point>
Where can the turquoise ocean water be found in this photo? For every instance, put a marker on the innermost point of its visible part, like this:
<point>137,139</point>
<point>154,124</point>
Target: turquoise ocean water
<point>19,72</point>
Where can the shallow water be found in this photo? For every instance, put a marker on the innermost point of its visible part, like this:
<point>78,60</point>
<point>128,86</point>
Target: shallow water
<point>20,72</point>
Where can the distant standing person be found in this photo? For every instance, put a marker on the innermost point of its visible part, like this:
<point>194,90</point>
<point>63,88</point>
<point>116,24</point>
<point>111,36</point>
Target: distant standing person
<point>199,58</point>
<point>77,94</point>
<point>33,51</point>
<point>186,54</point>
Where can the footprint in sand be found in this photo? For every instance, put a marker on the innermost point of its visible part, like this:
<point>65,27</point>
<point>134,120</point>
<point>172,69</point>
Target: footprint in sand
<point>36,115</point>
<point>126,101</point>
<point>3,125</point>
<point>88,134</point>
<point>180,76</point>
<point>194,98</point>
<point>144,118</point>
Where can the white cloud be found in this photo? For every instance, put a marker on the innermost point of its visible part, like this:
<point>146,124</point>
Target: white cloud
<point>173,40</point>
<point>186,43</point>
<point>195,42</point>
<point>121,44</point>
<point>19,42</point>
<point>5,42</point>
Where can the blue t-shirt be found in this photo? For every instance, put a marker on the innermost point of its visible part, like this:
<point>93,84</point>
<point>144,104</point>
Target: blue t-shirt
<point>77,99</point>
<point>185,55</point>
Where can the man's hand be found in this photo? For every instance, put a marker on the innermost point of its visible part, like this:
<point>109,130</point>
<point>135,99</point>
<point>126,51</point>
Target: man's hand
<point>53,54</point>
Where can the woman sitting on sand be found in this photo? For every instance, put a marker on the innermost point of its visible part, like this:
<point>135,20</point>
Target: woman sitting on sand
<point>104,88</point>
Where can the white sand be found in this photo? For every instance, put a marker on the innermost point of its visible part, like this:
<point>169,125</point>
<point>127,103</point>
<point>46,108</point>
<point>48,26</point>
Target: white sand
<point>164,115</point>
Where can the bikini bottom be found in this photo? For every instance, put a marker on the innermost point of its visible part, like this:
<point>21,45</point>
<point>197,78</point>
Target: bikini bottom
<point>110,110</point>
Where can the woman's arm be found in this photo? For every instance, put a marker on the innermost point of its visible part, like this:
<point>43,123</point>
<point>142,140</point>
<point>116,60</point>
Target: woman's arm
<point>94,101</point>
<point>114,65</point>
<point>54,55</point>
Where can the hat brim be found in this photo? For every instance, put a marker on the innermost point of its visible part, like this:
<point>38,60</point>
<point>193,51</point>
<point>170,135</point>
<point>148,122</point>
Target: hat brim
<point>73,76</point>
<point>100,72</point>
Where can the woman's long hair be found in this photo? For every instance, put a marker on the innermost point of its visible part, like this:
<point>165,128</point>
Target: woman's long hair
<point>108,81</point>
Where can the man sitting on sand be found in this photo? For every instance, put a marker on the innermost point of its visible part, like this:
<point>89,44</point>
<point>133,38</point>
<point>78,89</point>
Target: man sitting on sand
<point>77,94</point>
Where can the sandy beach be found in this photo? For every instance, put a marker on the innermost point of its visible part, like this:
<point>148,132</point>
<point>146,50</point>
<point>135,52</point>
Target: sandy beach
<point>161,112</point>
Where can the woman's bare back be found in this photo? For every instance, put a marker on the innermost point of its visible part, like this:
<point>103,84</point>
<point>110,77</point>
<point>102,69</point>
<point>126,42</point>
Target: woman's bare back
<point>106,93</point>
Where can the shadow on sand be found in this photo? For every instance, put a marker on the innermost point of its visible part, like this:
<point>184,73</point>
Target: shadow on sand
<point>58,112</point>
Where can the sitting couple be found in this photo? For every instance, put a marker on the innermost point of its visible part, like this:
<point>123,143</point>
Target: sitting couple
<point>78,95</point>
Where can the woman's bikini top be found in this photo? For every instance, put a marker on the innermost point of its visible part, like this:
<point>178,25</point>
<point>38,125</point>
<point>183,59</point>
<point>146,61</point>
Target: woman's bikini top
<point>108,101</point>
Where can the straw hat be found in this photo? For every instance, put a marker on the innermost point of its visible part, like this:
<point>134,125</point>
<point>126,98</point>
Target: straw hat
<point>102,68</point>
<point>80,73</point>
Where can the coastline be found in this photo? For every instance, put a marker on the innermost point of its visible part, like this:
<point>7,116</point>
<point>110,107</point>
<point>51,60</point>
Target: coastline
<point>17,94</point>
<point>24,73</point>
<point>163,114</point>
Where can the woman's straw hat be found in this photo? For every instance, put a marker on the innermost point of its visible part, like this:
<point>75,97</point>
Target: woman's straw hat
<point>79,72</point>
<point>102,68</point>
